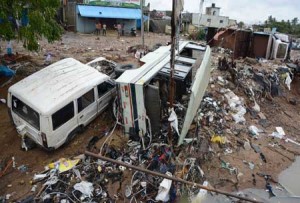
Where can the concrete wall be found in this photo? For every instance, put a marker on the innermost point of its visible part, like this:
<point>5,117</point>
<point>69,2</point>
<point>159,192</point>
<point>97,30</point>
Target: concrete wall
<point>210,20</point>
<point>232,22</point>
<point>85,25</point>
<point>213,11</point>
<point>70,13</point>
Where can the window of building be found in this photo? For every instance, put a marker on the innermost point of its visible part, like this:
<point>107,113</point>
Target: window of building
<point>214,13</point>
<point>103,88</point>
<point>221,21</point>
<point>209,20</point>
<point>63,115</point>
<point>85,100</point>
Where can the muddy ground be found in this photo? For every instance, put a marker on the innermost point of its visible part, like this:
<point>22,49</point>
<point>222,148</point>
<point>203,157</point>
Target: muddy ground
<point>83,48</point>
<point>278,111</point>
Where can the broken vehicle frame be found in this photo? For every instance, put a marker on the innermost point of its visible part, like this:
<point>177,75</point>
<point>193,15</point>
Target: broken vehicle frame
<point>52,105</point>
<point>132,85</point>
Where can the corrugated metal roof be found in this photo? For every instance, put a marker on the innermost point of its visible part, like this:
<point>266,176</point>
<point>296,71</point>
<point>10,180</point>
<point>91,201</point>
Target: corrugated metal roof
<point>109,12</point>
<point>54,86</point>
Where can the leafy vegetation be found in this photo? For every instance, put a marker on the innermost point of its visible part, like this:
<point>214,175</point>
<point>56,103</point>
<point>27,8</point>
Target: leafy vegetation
<point>29,21</point>
<point>198,35</point>
<point>289,26</point>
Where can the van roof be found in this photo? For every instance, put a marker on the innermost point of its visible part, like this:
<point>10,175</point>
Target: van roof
<point>49,89</point>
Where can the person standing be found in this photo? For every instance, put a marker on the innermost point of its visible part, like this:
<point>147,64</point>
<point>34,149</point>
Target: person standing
<point>123,29</point>
<point>98,27</point>
<point>119,28</point>
<point>104,29</point>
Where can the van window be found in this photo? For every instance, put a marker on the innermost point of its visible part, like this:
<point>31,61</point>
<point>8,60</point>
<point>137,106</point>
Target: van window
<point>85,100</point>
<point>26,113</point>
<point>103,88</point>
<point>63,115</point>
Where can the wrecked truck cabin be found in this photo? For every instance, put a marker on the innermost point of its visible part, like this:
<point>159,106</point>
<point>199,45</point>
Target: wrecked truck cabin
<point>52,105</point>
<point>143,92</point>
<point>245,43</point>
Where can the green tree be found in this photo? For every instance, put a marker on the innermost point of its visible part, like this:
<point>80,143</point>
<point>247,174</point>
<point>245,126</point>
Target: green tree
<point>40,15</point>
<point>295,21</point>
<point>241,24</point>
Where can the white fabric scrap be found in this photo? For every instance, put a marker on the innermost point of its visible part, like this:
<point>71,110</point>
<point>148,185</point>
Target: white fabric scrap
<point>279,133</point>
<point>3,101</point>
<point>288,81</point>
<point>164,189</point>
<point>174,121</point>
<point>39,176</point>
<point>85,188</point>
<point>292,141</point>
<point>256,107</point>
<point>236,106</point>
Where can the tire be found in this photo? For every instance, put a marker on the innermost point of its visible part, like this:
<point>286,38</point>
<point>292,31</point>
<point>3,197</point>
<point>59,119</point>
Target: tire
<point>121,68</point>
<point>30,144</point>
<point>73,133</point>
<point>156,46</point>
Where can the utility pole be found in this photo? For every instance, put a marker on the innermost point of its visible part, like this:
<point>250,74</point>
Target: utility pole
<point>172,61</point>
<point>142,24</point>
<point>172,66</point>
<point>148,25</point>
<point>200,11</point>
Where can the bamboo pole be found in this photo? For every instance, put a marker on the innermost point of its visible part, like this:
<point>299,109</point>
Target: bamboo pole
<point>170,177</point>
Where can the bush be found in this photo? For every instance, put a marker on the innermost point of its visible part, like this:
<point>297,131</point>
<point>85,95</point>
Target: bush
<point>199,35</point>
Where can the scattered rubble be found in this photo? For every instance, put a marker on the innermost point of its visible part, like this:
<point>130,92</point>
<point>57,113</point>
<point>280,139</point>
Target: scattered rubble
<point>231,144</point>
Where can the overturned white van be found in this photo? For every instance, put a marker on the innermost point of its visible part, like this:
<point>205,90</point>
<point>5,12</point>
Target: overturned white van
<point>53,104</point>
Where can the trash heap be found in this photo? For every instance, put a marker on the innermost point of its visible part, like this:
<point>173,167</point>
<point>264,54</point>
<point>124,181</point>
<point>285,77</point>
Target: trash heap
<point>221,127</point>
<point>87,179</point>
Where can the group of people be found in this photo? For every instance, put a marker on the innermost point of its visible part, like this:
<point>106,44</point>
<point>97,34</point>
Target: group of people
<point>119,27</point>
<point>100,27</point>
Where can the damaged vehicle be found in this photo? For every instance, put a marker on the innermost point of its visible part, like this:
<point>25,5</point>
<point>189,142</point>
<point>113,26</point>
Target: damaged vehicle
<point>144,92</point>
<point>54,104</point>
<point>105,66</point>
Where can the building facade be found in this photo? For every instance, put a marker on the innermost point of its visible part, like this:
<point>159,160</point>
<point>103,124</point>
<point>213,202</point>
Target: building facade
<point>109,12</point>
<point>212,18</point>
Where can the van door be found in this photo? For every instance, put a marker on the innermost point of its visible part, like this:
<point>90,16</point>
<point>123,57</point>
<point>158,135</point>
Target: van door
<point>106,91</point>
<point>86,107</point>
<point>63,122</point>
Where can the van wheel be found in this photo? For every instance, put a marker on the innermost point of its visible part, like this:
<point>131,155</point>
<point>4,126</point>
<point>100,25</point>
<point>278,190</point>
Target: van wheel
<point>72,134</point>
<point>30,144</point>
<point>81,129</point>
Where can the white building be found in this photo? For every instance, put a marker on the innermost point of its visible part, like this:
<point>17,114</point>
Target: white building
<point>212,18</point>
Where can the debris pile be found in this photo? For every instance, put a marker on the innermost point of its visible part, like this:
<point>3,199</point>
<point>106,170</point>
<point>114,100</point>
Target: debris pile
<point>87,179</point>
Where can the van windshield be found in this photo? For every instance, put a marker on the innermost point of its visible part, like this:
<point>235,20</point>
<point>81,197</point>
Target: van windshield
<point>26,113</point>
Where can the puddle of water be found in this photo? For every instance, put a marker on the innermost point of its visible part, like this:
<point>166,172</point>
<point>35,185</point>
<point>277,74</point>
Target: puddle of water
<point>290,178</point>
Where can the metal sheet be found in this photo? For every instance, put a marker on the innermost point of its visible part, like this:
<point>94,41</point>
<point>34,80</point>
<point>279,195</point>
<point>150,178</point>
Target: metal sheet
<point>197,92</point>
<point>108,12</point>
<point>185,60</point>
<point>195,46</point>
<point>152,103</point>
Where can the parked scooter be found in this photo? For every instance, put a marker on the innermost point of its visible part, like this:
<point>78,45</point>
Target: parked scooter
<point>133,32</point>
